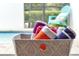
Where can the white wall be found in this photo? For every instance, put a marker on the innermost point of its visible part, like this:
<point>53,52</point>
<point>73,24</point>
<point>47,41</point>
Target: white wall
<point>75,26</point>
<point>75,17</point>
<point>11,16</point>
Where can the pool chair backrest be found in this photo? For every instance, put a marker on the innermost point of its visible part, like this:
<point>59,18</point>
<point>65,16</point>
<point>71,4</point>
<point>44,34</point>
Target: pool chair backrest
<point>66,9</point>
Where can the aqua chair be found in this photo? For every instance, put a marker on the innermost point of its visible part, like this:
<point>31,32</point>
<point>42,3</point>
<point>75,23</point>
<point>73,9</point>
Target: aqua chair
<point>51,18</point>
<point>61,19</point>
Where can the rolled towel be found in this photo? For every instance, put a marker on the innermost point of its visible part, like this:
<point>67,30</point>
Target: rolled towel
<point>70,32</point>
<point>45,33</point>
<point>67,33</point>
<point>37,24</point>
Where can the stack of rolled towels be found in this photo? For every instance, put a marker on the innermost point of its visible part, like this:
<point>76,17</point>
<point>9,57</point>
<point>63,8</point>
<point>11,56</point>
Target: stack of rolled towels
<point>42,31</point>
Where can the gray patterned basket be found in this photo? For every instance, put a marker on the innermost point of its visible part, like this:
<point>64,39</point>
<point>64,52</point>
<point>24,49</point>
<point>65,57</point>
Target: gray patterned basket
<point>26,47</point>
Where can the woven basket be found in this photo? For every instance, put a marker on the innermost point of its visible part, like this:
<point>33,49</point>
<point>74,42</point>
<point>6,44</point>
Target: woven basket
<point>26,47</point>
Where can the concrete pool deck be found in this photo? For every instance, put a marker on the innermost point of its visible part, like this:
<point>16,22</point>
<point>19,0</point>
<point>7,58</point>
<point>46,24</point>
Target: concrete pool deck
<point>7,50</point>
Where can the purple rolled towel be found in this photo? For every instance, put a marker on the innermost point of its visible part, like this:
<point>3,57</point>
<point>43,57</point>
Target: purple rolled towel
<point>67,33</point>
<point>38,23</point>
